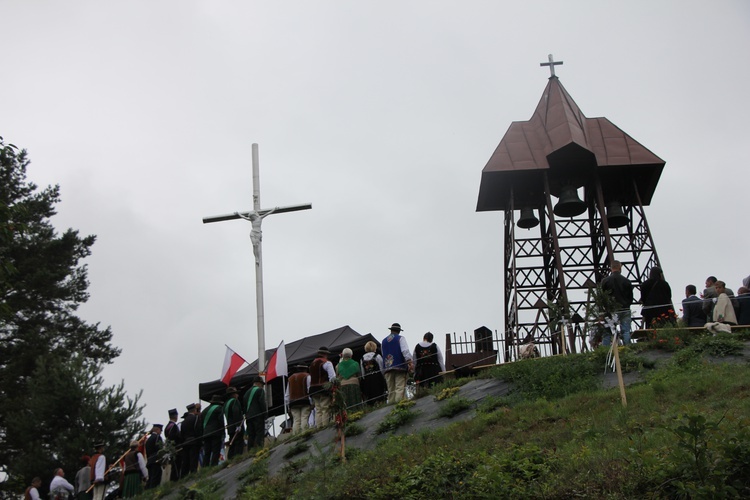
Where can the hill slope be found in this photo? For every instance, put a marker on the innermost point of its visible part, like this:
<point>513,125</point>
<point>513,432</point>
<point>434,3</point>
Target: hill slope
<point>539,428</point>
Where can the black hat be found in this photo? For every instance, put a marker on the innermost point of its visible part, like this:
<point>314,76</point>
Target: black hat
<point>160,426</point>
<point>232,390</point>
<point>396,327</point>
<point>324,350</point>
<point>173,412</point>
<point>300,367</point>
<point>190,407</point>
<point>99,445</point>
<point>216,399</point>
<point>258,380</point>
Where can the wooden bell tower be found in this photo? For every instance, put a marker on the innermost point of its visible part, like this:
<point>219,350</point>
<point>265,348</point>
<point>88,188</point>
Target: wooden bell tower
<point>573,190</point>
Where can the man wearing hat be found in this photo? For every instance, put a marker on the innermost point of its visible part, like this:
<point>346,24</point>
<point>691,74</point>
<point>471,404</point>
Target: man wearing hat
<point>191,440</point>
<point>153,445</point>
<point>98,464</point>
<point>235,429</point>
<point>321,372</point>
<point>212,420</point>
<point>397,362</point>
<point>297,397</point>
<point>254,404</point>
<point>173,435</point>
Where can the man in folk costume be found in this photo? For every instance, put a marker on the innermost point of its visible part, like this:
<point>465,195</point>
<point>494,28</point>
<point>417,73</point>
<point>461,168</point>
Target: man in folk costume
<point>398,362</point>
<point>98,464</point>
<point>212,420</point>
<point>255,407</point>
<point>134,472</point>
<point>235,428</point>
<point>297,396</point>
<point>321,372</point>
<point>191,441</point>
<point>173,435</point>
<point>429,362</point>
<point>153,445</point>
<point>32,492</point>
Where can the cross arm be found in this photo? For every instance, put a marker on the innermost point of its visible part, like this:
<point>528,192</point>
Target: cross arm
<point>277,210</point>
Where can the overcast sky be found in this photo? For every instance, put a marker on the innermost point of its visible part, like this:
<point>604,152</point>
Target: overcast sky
<point>380,114</point>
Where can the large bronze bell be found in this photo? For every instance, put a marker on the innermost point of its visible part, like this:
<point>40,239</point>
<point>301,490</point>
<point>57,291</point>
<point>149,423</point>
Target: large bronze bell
<point>569,204</point>
<point>615,216</point>
<point>527,219</point>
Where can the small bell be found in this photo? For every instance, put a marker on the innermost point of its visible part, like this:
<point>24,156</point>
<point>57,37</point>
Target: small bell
<point>527,220</point>
<point>615,216</point>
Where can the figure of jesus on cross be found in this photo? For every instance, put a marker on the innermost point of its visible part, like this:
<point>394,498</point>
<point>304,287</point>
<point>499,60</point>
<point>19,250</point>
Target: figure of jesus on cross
<point>256,217</point>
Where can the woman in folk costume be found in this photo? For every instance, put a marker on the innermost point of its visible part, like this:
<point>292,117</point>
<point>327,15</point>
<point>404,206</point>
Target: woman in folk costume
<point>429,362</point>
<point>373,381</point>
<point>348,371</point>
<point>134,472</point>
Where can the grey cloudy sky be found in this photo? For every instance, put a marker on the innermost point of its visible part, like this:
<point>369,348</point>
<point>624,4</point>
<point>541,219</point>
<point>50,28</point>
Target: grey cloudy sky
<point>382,115</point>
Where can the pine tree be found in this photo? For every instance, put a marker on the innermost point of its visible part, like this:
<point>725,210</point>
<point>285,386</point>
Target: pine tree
<point>53,403</point>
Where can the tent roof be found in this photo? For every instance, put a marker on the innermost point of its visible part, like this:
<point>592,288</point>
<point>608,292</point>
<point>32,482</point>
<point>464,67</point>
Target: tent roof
<point>299,351</point>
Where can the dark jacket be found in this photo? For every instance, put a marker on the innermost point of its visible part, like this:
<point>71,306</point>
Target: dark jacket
<point>620,287</point>
<point>257,406</point>
<point>692,311</point>
<point>212,420</point>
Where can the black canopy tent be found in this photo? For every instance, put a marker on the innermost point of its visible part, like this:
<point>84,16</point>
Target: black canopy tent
<point>299,352</point>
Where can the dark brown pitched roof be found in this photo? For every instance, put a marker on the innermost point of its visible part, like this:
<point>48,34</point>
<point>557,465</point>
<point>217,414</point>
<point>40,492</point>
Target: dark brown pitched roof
<point>559,137</point>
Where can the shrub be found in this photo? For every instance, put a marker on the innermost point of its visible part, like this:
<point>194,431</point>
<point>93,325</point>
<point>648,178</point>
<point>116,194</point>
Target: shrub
<point>354,430</point>
<point>453,407</point>
<point>400,415</point>
<point>296,450</point>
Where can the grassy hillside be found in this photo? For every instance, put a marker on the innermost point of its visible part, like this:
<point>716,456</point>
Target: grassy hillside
<point>684,434</point>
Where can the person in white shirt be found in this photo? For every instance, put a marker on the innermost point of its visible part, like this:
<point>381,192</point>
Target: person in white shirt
<point>99,466</point>
<point>59,485</point>
<point>32,492</point>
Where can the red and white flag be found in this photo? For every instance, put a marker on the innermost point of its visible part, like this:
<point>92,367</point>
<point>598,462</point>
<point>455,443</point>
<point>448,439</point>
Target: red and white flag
<point>232,363</point>
<point>277,365</point>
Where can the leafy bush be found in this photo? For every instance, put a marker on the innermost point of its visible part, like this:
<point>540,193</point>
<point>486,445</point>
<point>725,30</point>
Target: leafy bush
<point>296,450</point>
<point>400,415</point>
<point>453,407</point>
<point>721,345</point>
<point>354,430</point>
<point>446,393</point>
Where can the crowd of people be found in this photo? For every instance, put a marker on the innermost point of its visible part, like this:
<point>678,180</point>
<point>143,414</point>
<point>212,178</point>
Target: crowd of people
<point>234,423</point>
<point>717,309</point>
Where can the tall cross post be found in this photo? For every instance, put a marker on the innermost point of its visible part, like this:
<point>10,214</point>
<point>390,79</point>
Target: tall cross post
<point>256,218</point>
<point>552,63</point>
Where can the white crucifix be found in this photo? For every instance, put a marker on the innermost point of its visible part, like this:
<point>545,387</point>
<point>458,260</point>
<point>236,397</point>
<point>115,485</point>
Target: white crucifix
<point>256,218</point>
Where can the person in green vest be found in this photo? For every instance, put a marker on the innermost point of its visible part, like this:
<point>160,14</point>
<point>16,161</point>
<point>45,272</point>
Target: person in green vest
<point>212,421</point>
<point>235,428</point>
<point>255,407</point>
<point>348,371</point>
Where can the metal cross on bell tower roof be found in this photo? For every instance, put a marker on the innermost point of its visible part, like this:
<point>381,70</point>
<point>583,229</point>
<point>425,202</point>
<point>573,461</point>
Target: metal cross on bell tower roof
<point>552,63</point>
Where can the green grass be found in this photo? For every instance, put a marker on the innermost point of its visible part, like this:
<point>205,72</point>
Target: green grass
<point>684,434</point>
